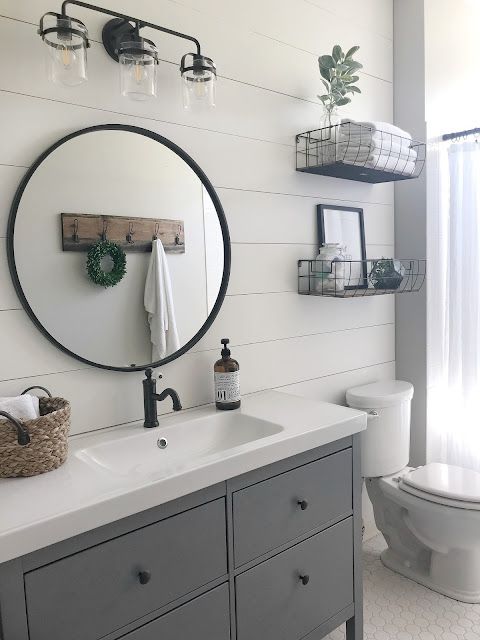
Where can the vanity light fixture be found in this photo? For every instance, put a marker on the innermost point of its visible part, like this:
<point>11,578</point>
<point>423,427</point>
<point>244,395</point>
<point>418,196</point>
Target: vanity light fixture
<point>67,43</point>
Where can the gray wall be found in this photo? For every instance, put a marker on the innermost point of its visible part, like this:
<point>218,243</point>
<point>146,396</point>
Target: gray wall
<point>410,212</point>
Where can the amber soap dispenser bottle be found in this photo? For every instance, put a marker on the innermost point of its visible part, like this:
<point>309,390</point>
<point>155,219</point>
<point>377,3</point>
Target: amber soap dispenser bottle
<point>227,380</point>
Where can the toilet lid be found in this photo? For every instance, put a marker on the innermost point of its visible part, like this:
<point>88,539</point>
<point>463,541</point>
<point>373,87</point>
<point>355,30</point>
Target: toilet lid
<point>378,395</point>
<point>446,481</point>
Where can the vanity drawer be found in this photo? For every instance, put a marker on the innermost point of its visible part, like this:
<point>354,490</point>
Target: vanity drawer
<point>94,592</point>
<point>268,514</point>
<point>274,604</point>
<point>205,618</point>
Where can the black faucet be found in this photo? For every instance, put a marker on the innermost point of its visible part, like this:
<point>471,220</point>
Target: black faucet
<point>151,397</point>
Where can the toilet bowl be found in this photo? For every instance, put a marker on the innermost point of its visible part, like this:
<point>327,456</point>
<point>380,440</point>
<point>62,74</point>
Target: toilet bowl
<point>429,516</point>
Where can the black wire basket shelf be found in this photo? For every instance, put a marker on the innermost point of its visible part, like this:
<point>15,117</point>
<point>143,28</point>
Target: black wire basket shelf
<point>358,278</point>
<point>355,151</point>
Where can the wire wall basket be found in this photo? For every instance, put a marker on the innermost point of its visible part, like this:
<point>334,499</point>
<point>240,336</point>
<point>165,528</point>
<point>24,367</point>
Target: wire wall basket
<point>357,278</point>
<point>355,151</point>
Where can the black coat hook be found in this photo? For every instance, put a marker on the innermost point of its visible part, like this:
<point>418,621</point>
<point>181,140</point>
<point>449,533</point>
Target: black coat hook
<point>104,232</point>
<point>75,237</point>
<point>130,233</point>
<point>177,236</point>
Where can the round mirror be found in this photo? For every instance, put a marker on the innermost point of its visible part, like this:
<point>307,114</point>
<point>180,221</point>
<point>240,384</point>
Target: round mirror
<point>118,248</point>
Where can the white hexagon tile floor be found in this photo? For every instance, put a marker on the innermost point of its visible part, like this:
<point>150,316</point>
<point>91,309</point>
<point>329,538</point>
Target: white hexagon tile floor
<point>396,608</point>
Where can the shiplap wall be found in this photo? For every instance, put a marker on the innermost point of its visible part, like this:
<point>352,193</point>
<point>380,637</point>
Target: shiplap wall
<point>266,54</point>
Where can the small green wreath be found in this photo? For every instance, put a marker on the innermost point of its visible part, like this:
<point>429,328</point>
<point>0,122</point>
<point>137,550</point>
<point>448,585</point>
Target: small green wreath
<point>94,263</point>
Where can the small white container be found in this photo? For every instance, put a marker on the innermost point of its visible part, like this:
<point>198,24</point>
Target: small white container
<point>329,268</point>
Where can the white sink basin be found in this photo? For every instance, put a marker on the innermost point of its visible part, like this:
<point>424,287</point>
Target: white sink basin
<point>162,452</point>
<point>117,472</point>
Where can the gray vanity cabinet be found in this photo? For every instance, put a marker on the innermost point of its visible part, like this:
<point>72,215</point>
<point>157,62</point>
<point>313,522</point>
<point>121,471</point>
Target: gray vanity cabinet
<point>204,618</point>
<point>273,554</point>
<point>91,593</point>
<point>295,591</point>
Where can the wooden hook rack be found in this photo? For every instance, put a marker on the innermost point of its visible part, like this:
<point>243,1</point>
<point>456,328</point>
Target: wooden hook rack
<point>81,230</point>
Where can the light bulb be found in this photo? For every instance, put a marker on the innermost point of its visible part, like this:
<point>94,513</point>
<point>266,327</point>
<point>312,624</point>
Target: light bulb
<point>198,79</point>
<point>138,67</point>
<point>138,72</point>
<point>66,50</point>
<point>200,88</point>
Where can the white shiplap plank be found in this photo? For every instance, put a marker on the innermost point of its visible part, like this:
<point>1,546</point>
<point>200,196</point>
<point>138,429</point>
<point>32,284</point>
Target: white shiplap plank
<point>305,25</point>
<point>10,178</point>
<point>229,161</point>
<point>304,358</point>
<point>8,297</point>
<point>375,16</point>
<point>102,398</point>
<point>277,316</point>
<point>25,352</point>
<point>255,217</point>
<point>332,388</point>
<point>266,268</point>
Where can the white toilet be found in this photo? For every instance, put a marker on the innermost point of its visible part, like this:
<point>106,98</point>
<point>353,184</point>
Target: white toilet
<point>430,516</point>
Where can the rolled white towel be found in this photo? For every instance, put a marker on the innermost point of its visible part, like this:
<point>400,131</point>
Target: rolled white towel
<point>24,407</point>
<point>354,127</point>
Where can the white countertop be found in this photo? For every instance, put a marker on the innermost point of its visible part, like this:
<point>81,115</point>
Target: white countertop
<point>80,496</point>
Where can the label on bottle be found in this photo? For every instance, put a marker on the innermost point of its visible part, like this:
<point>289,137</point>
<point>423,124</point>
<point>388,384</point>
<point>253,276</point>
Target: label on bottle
<point>227,386</point>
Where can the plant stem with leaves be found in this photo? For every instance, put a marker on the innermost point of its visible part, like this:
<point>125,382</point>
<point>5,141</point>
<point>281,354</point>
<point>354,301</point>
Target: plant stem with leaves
<point>338,77</point>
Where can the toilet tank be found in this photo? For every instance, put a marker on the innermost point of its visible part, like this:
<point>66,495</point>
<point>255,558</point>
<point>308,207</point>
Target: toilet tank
<point>386,441</point>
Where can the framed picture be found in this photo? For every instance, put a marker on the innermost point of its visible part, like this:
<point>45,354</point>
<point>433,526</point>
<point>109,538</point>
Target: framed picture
<point>345,226</point>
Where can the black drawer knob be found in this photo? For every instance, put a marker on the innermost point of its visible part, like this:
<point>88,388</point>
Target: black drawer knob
<point>303,504</point>
<point>144,577</point>
<point>304,579</point>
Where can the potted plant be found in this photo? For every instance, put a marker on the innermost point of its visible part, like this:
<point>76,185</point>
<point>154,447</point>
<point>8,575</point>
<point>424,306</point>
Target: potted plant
<point>387,273</point>
<point>339,79</point>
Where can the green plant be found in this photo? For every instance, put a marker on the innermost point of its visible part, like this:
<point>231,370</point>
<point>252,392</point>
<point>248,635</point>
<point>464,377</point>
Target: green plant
<point>387,273</point>
<point>95,270</point>
<point>338,77</point>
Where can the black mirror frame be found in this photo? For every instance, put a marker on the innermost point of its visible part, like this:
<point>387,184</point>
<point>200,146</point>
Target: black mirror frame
<point>221,218</point>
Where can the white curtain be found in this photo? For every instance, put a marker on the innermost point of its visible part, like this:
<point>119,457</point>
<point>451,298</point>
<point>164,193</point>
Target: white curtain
<point>453,303</point>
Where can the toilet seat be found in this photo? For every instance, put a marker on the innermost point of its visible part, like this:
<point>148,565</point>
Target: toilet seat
<point>445,484</point>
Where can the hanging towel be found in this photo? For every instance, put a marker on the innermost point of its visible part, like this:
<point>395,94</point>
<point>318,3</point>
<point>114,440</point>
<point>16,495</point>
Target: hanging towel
<point>21,407</point>
<point>158,301</point>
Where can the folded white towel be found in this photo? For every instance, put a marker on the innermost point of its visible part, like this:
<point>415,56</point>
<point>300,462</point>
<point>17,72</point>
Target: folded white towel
<point>364,153</point>
<point>158,301</point>
<point>364,128</point>
<point>384,144</point>
<point>21,407</point>
<point>386,163</point>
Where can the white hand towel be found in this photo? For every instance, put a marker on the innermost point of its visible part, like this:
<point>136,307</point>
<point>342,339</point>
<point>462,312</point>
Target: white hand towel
<point>158,301</point>
<point>21,407</point>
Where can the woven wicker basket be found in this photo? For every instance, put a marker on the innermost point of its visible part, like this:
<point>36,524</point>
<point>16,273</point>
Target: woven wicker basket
<point>48,446</point>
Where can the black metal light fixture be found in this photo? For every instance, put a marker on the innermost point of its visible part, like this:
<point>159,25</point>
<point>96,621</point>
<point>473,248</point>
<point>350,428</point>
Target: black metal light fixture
<point>67,41</point>
<point>199,80</point>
